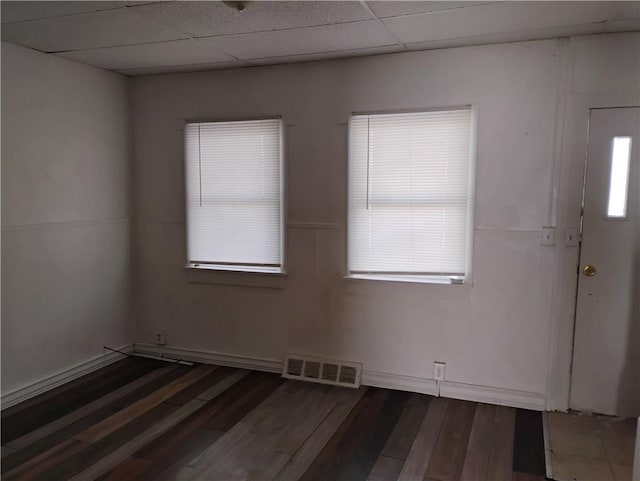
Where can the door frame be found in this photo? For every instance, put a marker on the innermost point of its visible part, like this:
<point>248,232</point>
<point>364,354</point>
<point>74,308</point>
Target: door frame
<point>580,234</point>
<point>571,159</point>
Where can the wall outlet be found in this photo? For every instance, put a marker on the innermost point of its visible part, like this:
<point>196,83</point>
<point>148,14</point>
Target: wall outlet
<point>438,371</point>
<point>160,337</point>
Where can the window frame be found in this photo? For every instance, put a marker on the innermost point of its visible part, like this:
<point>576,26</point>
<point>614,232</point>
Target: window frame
<point>467,277</point>
<point>238,274</point>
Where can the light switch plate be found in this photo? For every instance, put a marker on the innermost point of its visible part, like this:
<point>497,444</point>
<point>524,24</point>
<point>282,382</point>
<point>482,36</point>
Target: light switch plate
<point>548,236</point>
<point>571,237</point>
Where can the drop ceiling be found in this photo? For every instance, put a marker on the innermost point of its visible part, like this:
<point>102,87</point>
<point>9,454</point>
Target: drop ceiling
<point>138,38</point>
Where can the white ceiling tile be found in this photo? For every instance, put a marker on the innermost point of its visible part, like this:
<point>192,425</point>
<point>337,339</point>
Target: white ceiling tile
<point>105,28</point>
<point>146,37</point>
<point>384,9</point>
<point>175,52</point>
<point>361,52</point>
<point>300,41</point>
<point>539,34</point>
<point>182,68</point>
<point>205,19</point>
<point>496,18</point>
<point>14,11</point>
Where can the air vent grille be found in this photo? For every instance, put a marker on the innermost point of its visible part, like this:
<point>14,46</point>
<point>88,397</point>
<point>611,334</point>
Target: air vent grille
<point>312,369</point>
<point>330,372</point>
<point>294,367</point>
<point>339,373</point>
<point>348,375</point>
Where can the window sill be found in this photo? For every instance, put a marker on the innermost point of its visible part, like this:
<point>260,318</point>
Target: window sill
<point>447,280</point>
<point>253,278</point>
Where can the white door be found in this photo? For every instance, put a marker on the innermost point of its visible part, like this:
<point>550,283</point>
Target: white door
<point>606,357</point>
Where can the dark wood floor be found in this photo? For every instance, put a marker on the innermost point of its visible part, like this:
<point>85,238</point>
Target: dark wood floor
<point>139,419</point>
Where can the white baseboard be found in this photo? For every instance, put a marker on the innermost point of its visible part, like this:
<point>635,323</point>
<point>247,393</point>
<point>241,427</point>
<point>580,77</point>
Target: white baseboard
<point>399,382</point>
<point>30,390</point>
<point>208,357</point>
<point>493,395</point>
<point>469,392</point>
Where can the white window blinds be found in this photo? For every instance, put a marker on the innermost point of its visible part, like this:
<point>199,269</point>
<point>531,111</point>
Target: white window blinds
<point>234,194</point>
<point>408,193</point>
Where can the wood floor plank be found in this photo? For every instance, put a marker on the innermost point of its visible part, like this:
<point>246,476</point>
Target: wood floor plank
<point>69,400</point>
<point>476,460</point>
<point>200,386</point>
<point>354,449</point>
<point>404,433</point>
<point>501,457</point>
<point>386,469</point>
<point>109,461</point>
<point>131,470</point>
<point>235,386</point>
<point>294,417</point>
<point>185,441</point>
<point>254,459</point>
<point>168,467</point>
<point>235,439</point>
<point>227,424</point>
<point>43,431</point>
<point>323,465</point>
<point>230,419</point>
<point>232,377</point>
<point>307,416</point>
<point>175,458</point>
<point>528,445</point>
<point>518,476</point>
<point>173,443</point>
<point>176,441</point>
<point>424,443</point>
<point>94,452</point>
<point>112,423</point>
<point>448,455</point>
<point>305,455</point>
<point>271,428</point>
<point>235,455</point>
<point>6,450</point>
<point>36,468</point>
<point>113,458</point>
<point>270,416</point>
<point>55,438</point>
<point>265,384</point>
<point>370,437</point>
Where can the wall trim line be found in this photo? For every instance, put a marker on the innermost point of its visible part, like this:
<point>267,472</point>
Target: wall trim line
<point>62,377</point>
<point>493,395</point>
<point>210,357</point>
<point>448,389</point>
<point>399,382</point>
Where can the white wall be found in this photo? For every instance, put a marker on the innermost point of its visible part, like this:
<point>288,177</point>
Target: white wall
<point>505,330</point>
<point>65,214</point>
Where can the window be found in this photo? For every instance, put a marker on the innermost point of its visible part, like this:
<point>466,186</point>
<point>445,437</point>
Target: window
<point>409,195</point>
<point>619,179</point>
<point>234,195</point>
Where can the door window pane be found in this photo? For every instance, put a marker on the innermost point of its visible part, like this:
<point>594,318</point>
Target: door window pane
<point>619,182</point>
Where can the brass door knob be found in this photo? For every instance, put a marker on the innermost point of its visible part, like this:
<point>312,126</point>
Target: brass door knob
<point>589,270</point>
